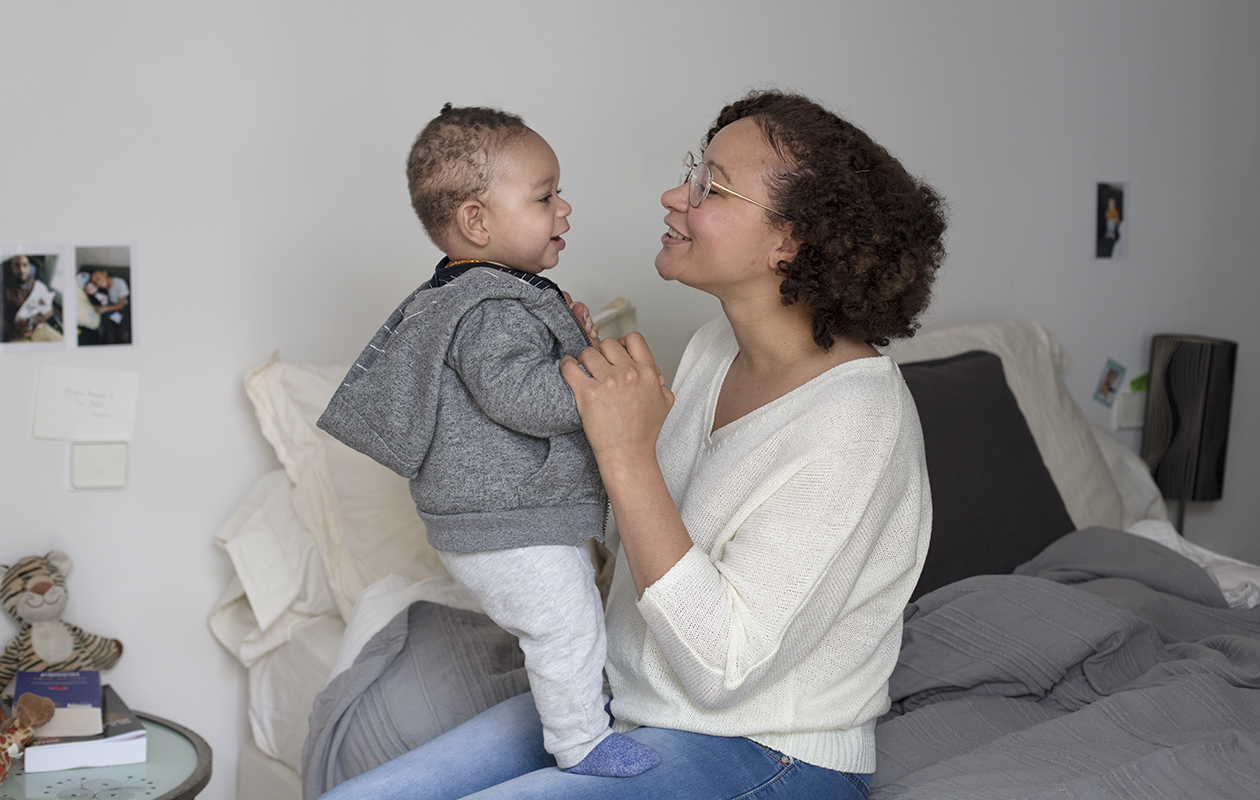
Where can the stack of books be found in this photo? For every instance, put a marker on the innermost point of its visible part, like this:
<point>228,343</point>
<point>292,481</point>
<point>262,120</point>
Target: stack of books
<point>91,727</point>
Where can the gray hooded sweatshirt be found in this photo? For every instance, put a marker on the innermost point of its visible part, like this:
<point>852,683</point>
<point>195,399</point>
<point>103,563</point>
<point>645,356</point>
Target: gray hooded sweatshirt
<point>460,391</point>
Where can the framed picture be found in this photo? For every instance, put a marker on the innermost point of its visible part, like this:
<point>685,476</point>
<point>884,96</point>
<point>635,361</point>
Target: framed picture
<point>33,305</point>
<point>1110,240</point>
<point>105,295</point>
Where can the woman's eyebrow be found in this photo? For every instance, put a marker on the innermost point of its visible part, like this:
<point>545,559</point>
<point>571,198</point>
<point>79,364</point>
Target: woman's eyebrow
<point>726,176</point>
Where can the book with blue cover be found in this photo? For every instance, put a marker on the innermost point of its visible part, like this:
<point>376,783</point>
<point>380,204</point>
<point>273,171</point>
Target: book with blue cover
<point>76,695</point>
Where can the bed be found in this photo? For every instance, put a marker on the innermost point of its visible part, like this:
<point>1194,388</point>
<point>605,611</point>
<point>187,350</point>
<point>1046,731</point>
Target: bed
<point>1063,639</point>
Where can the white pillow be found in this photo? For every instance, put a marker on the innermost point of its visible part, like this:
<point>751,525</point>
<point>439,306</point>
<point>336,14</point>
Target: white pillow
<point>283,686</point>
<point>1034,361</point>
<point>359,513</point>
<point>280,582</point>
<point>1141,495</point>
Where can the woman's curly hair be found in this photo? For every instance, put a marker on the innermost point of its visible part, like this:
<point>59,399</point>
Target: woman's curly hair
<point>870,234</point>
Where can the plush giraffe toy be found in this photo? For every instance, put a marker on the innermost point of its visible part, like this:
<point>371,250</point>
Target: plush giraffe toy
<point>30,711</point>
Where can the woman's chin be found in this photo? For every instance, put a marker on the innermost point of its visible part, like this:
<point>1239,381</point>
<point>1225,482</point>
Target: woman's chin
<point>663,266</point>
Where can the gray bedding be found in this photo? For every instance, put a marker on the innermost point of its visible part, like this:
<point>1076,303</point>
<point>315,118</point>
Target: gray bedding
<point>1107,667</point>
<point>428,670</point>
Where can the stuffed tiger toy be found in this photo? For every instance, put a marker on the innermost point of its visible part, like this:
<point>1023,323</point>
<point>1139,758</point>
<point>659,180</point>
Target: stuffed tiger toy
<point>33,591</point>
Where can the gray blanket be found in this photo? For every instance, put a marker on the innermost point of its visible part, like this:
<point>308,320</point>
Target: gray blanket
<point>1107,667</point>
<point>431,668</point>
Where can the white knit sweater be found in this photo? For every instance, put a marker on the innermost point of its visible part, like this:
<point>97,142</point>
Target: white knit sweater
<point>810,520</point>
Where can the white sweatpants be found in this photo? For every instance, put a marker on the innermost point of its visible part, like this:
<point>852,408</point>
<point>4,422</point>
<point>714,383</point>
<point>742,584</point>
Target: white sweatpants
<point>546,596</point>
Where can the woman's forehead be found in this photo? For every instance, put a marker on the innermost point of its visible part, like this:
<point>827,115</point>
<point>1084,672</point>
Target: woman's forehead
<point>740,150</point>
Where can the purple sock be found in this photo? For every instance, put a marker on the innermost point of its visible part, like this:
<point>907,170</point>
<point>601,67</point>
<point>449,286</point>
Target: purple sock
<point>617,757</point>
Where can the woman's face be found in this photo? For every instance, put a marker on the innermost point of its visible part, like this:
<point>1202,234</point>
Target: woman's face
<point>726,245</point>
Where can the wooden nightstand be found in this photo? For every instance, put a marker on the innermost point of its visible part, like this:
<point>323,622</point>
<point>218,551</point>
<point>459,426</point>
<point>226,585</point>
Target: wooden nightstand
<point>178,767</point>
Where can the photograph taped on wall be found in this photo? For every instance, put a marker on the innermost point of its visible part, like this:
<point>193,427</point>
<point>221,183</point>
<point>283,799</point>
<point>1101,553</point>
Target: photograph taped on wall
<point>32,307</point>
<point>104,280</point>
<point>1110,239</point>
<point>1109,383</point>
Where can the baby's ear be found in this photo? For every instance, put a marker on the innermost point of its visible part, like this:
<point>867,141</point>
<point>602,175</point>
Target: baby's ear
<point>470,222</point>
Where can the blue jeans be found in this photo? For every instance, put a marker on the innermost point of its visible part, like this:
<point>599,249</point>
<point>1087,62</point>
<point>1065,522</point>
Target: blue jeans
<point>499,755</point>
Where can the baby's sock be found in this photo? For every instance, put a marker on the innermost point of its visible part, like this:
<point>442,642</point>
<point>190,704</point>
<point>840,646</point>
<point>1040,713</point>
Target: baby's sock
<point>617,757</point>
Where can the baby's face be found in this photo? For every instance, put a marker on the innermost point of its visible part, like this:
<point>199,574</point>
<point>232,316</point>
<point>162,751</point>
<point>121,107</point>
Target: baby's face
<point>524,212</point>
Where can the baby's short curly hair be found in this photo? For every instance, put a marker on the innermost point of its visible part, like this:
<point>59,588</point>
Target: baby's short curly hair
<point>870,234</point>
<point>451,161</point>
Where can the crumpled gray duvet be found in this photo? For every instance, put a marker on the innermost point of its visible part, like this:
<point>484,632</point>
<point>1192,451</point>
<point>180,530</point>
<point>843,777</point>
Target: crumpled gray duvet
<point>428,670</point>
<point>1107,667</point>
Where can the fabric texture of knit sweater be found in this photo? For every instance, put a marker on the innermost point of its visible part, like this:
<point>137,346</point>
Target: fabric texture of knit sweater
<point>810,519</point>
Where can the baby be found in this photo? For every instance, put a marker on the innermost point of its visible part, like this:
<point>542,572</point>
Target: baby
<point>460,391</point>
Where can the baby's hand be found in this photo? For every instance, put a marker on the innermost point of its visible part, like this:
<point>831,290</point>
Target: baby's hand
<point>584,316</point>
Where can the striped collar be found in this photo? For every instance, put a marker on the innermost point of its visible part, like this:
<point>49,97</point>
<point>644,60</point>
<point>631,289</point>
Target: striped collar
<point>447,272</point>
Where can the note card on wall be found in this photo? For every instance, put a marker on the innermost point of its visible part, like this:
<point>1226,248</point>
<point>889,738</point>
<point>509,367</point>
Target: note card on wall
<point>85,405</point>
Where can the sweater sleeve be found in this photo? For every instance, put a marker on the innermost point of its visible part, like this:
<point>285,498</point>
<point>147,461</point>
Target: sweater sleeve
<point>510,363</point>
<point>822,538</point>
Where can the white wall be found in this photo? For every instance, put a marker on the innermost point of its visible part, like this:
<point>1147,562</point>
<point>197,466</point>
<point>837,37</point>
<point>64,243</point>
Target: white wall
<point>254,152</point>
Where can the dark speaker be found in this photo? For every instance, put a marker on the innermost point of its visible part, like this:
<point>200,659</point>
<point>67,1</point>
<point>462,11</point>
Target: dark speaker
<point>1187,415</point>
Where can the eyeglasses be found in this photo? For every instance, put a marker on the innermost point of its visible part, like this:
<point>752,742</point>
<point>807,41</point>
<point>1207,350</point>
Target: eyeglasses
<point>697,173</point>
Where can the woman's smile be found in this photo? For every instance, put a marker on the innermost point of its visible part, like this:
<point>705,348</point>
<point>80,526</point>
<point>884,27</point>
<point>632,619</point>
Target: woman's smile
<point>672,236</point>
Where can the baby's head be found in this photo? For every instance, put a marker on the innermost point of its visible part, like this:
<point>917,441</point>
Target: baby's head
<point>486,186</point>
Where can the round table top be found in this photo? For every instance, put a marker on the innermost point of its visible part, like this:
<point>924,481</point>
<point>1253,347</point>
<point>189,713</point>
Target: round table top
<point>177,767</point>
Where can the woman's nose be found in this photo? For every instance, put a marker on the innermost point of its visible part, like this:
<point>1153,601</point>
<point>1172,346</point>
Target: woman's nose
<point>676,199</point>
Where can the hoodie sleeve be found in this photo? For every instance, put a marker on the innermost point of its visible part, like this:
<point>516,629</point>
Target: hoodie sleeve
<point>509,360</point>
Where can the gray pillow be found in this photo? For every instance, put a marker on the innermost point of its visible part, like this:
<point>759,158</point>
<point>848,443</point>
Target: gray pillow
<point>431,668</point>
<point>994,504</point>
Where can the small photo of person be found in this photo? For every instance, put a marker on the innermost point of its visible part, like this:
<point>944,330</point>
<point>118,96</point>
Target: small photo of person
<point>32,305</point>
<point>105,302</point>
<point>1108,240</point>
<point>1109,383</point>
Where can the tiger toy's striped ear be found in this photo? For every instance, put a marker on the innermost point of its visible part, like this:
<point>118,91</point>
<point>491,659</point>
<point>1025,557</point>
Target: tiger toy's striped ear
<point>61,561</point>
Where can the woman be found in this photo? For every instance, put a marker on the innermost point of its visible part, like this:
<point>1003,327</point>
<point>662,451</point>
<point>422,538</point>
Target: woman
<point>773,510</point>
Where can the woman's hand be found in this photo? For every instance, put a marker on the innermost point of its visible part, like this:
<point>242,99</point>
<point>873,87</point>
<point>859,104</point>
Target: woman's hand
<point>622,399</point>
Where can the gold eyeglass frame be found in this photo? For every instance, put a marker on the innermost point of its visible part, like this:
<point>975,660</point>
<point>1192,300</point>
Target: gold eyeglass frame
<point>690,163</point>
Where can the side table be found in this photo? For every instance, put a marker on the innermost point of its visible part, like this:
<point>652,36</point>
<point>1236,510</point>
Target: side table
<point>178,767</point>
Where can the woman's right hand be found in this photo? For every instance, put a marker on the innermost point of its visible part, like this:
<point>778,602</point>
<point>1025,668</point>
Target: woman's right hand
<point>621,397</point>
<point>623,402</point>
